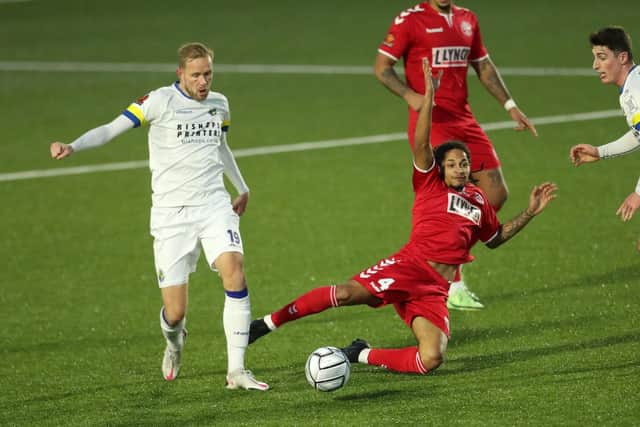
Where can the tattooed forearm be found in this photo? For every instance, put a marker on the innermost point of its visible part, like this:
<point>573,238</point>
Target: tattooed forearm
<point>390,79</point>
<point>490,78</point>
<point>511,228</point>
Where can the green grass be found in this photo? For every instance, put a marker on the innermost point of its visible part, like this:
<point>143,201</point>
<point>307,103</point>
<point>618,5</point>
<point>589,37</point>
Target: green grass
<point>556,345</point>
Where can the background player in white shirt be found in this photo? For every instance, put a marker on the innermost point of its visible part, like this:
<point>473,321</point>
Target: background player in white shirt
<point>188,154</point>
<point>613,61</point>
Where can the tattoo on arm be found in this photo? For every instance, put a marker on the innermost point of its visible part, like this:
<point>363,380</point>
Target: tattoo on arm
<point>511,228</point>
<point>490,78</point>
<point>390,79</point>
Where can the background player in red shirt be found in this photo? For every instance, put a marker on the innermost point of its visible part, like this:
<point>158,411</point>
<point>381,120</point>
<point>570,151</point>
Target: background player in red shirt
<point>449,36</point>
<point>449,216</point>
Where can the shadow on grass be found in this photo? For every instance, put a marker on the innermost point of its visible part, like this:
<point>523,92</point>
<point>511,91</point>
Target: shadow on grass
<point>612,277</point>
<point>489,361</point>
<point>467,336</point>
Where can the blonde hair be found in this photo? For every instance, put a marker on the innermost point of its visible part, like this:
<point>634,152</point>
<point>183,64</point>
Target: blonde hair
<point>193,50</point>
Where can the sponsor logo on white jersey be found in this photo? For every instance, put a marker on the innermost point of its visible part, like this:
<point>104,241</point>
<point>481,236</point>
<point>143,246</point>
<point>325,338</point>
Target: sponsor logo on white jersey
<point>461,206</point>
<point>450,56</point>
<point>434,30</point>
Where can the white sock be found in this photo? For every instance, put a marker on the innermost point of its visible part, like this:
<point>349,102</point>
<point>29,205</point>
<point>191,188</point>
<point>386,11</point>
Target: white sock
<point>236,318</point>
<point>363,357</point>
<point>173,334</point>
<point>269,322</point>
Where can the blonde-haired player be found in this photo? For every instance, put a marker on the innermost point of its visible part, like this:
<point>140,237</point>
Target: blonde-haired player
<point>191,209</point>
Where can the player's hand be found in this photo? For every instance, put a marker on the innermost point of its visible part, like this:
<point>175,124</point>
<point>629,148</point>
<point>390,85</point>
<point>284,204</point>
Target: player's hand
<point>240,203</point>
<point>583,153</point>
<point>431,83</point>
<point>522,121</point>
<point>540,197</point>
<point>629,206</point>
<point>413,99</point>
<point>60,150</point>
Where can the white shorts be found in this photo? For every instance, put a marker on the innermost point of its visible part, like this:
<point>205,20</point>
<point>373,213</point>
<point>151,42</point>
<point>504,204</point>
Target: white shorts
<point>179,232</point>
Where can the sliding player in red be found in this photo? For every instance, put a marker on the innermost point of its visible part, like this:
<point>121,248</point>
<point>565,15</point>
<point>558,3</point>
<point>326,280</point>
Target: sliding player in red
<point>449,216</point>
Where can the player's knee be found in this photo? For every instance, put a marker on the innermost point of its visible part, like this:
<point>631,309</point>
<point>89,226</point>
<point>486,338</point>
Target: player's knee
<point>352,293</point>
<point>344,294</point>
<point>431,359</point>
<point>232,275</point>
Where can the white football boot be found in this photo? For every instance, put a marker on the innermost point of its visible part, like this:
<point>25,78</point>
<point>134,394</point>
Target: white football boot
<point>243,378</point>
<point>172,358</point>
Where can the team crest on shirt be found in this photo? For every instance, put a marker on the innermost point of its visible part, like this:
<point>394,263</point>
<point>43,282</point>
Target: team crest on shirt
<point>478,198</point>
<point>466,28</point>
<point>461,206</point>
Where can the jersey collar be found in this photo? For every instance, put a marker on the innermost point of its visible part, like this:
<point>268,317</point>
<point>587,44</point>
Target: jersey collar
<point>627,78</point>
<point>177,86</point>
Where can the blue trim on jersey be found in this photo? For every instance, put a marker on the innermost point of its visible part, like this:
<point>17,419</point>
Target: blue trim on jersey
<point>627,78</point>
<point>637,126</point>
<point>132,117</point>
<point>177,86</point>
<point>240,294</point>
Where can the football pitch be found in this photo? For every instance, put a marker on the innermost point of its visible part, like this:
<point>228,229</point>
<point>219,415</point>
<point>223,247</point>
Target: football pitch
<point>321,145</point>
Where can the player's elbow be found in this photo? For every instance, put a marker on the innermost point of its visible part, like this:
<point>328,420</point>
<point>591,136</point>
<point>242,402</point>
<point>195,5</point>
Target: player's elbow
<point>494,243</point>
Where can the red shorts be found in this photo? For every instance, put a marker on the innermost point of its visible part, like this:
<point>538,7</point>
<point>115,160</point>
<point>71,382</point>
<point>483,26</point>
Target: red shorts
<point>467,130</point>
<point>414,290</point>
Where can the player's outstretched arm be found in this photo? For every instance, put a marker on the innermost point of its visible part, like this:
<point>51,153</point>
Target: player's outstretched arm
<point>422,151</point>
<point>92,138</point>
<point>492,81</point>
<point>539,198</point>
<point>583,153</point>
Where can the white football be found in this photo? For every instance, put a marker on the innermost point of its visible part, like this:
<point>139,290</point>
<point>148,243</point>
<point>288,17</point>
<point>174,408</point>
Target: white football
<point>327,369</point>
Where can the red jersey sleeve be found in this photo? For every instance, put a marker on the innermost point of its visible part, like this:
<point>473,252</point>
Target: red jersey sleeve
<point>478,51</point>
<point>425,180</point>
<point>490,224</point>
<point>398,38</point>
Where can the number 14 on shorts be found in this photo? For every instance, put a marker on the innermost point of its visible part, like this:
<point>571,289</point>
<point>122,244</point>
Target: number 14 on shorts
<point>382,285</point>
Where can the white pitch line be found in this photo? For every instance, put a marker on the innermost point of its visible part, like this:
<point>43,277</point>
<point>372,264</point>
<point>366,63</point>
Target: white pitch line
<point>301,146</point>
<point>124,67</point>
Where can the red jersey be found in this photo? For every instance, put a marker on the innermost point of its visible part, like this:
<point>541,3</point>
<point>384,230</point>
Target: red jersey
<point>446,222</point>
<point>450,41</point>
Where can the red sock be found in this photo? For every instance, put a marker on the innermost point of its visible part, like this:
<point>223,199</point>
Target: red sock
<point>314,301</point>
<point>458,276</point>
<point>397,359</point>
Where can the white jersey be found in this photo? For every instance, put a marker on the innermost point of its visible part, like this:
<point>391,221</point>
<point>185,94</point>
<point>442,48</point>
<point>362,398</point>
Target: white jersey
<point>630,100</point>
<point>184,140</point>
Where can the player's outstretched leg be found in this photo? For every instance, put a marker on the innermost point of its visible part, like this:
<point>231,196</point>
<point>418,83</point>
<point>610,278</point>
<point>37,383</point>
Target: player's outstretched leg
<point>314,301</point>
